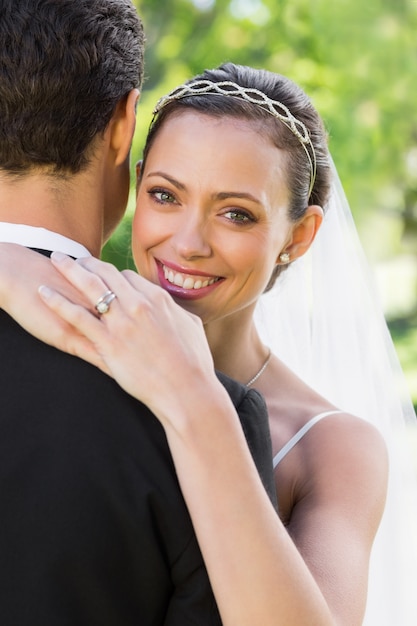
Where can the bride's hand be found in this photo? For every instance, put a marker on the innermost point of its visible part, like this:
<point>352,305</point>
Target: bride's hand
<point>21,272</point>
<point>153,348</point>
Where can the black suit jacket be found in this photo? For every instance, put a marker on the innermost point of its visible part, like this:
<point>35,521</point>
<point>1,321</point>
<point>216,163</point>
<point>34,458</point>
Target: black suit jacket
<point>93,526</point>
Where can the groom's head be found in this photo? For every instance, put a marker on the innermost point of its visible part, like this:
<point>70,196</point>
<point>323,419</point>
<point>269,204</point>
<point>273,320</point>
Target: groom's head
<point>64,66</point>
<point>69,77</point>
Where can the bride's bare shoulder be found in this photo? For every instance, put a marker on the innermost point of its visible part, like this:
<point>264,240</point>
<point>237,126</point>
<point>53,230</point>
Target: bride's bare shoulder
<point>339,450</point>
<point>292,404</point>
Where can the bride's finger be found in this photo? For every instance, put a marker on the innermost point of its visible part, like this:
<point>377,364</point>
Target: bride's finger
<point>88,281</point>
<point>121,280</point>
<point>104,286</point>
<point>76,315</point>
<point>69,338</point>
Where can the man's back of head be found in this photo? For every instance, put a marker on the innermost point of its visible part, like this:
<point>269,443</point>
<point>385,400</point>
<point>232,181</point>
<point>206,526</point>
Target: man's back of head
<point>64,66</point>
<point>69,78</point>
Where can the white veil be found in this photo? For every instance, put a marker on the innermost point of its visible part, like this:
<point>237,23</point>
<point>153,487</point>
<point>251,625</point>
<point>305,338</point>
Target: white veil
<point>324,320</point>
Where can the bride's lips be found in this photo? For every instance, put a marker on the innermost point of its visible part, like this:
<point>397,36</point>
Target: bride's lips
<point>189,284</point>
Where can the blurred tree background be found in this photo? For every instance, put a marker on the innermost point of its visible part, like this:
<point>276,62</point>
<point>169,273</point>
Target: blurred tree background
<point>358,62</point>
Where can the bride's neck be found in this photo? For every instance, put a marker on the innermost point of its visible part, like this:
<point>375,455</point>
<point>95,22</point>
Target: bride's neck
<point>236,347</point>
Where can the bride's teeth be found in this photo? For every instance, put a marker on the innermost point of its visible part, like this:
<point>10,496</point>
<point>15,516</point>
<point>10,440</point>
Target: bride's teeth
<point>186,282</point>
<point>189,283</point>
<point>178,280</point>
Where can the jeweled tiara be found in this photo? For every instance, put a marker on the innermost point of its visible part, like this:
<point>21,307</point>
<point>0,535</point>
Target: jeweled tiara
<point>274,107</point>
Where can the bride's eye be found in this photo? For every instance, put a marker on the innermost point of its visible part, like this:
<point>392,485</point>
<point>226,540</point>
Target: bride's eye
<point>162,196</point>
<point>238,216</point>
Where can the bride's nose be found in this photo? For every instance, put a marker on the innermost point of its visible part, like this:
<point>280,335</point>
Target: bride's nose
<point>192,238</point>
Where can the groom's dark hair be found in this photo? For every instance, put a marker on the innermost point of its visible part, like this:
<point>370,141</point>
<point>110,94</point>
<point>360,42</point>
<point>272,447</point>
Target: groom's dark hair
<point>64,66</point>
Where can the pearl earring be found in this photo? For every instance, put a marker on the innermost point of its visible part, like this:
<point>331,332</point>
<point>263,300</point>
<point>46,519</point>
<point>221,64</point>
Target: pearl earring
<point>284,257</point>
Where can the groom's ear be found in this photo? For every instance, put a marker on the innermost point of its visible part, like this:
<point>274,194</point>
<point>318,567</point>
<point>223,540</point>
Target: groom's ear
<point>139,166</point>
<point>122,126</point>
<point>139,170</point>
<point>303,233</point>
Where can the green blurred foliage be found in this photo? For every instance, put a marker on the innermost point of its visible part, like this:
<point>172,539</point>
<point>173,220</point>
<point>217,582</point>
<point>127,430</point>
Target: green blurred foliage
<point>358,62</point>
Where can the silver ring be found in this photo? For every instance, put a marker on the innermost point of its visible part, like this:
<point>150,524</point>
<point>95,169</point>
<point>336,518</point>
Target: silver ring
<point>103,304</point>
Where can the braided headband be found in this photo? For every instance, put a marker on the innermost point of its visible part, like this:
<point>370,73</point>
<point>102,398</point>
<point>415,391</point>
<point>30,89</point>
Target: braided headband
<point>275,108</point>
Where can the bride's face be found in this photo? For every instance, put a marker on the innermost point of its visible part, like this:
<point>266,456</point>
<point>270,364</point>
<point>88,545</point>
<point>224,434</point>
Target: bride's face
<point>211,215</point>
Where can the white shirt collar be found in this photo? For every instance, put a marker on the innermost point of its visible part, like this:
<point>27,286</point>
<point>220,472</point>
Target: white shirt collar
<point>34,237</point>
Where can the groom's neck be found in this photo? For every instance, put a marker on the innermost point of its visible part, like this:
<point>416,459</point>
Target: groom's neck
<point>71,207</point>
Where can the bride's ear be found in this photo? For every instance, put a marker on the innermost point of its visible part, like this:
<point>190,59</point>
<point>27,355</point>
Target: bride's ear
<point>302,235</point>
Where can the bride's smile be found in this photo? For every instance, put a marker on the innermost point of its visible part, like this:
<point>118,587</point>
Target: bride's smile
<point>185,283</point>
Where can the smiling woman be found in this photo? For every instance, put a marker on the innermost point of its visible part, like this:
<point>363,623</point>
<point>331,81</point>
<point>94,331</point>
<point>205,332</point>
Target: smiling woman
<point>213,222</point>
<point>235,179</point>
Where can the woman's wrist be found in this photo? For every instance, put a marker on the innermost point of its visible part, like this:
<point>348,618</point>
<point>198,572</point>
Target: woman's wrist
<point>194,409</point>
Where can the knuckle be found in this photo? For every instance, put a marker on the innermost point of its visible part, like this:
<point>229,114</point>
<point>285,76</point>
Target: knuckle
<point>138,306</point>
<point>128,273</point>
<point>94,283</point>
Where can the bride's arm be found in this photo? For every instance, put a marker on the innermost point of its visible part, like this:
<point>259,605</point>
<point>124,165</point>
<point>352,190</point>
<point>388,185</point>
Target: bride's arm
<point>158,353</point>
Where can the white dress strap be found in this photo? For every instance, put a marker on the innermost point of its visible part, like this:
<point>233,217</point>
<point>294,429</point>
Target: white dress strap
<point>300,434</point>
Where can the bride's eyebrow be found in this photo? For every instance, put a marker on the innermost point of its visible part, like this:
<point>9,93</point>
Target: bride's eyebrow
<point>225,195</point>
<point>173,181</point>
